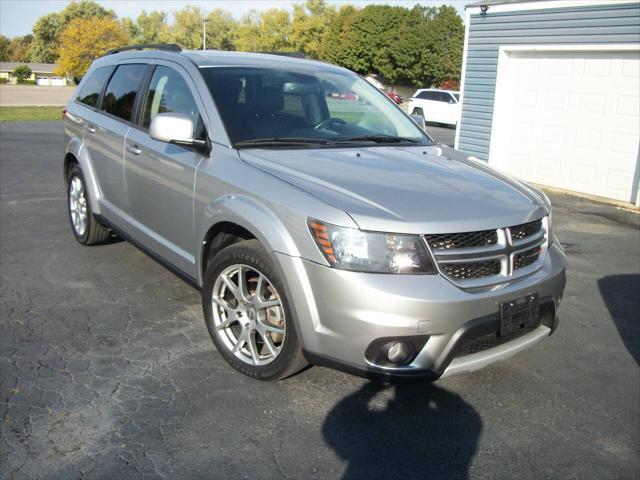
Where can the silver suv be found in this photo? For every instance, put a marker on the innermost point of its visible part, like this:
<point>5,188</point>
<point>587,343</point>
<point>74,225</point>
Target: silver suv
<point>320,228</point>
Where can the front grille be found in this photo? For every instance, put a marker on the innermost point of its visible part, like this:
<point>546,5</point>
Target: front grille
<point>465,271</point>
<point>445,241</point>
<point>485,342</point>
<point>524,230</point>
<point>485,257</point>
<point>524,259</point>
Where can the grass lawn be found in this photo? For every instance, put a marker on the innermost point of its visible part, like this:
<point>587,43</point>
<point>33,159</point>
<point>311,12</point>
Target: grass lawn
<point>25,114</point>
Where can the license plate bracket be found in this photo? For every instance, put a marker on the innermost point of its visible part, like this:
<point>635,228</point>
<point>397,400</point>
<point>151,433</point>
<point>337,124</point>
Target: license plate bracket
<point>523,312</point>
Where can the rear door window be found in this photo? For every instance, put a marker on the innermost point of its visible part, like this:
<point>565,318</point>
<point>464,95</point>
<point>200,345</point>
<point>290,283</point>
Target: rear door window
<point>120,95</point>
<point>90,91</point>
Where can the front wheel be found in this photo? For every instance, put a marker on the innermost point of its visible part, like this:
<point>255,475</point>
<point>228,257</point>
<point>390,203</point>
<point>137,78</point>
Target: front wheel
<point>247,313</point>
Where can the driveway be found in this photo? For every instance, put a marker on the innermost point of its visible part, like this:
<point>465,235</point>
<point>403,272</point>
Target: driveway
<point>107,370</point>
<point>33,95</point>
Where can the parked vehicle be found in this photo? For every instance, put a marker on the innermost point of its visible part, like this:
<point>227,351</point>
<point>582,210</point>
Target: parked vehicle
<point>394,96</point>
<point>316,233</point>
<point>343,95</point>
<point>436,106</point>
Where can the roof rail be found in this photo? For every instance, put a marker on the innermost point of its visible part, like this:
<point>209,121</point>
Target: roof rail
<point>287,54</point>
<point>168,47</point>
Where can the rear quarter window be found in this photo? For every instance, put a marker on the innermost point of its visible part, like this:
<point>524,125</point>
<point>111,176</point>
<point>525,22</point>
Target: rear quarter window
<point>90,91</point>
<point>120,95</point>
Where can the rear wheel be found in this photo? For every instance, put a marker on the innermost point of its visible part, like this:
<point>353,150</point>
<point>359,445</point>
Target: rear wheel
<point>247,313</point>
<point>84,226</point>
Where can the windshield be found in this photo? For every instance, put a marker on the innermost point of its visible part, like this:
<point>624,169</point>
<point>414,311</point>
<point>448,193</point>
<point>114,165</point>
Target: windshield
<point>308,106</point>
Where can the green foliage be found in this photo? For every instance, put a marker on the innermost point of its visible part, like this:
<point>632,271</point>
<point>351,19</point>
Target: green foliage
<point>310,22</point>
<point>222,30</point>
<point>187,27</point>
<point>44,47</point>
<point>21,73</point>
<point>152,28</point>
<point>17,49</point>
<point>4,48</point>
<point>268,31</point>
<point>422,46</point>
<point>47,29</point>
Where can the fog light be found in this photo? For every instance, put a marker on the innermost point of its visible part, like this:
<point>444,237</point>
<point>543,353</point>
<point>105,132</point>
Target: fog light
<point>398,352</point>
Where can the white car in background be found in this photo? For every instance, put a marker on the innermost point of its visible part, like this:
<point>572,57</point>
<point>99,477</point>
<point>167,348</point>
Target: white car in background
<point>436,106</point>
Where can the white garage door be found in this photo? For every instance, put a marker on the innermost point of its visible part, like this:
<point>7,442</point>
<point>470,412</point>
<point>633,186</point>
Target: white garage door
<point>569,120</point>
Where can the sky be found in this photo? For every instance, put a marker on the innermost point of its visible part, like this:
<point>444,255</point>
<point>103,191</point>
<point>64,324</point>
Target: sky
<point>18,16</point>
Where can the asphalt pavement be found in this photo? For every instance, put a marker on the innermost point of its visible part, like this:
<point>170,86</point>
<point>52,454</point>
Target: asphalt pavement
<point>107,370</point>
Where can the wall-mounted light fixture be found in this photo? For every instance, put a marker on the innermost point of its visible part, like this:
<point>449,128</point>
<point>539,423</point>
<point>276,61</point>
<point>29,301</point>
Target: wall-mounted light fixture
<point>483,9</point>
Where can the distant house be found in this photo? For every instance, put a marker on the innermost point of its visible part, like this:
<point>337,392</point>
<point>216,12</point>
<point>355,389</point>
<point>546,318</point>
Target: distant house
<point>42,73</point>
<point>551,92</point>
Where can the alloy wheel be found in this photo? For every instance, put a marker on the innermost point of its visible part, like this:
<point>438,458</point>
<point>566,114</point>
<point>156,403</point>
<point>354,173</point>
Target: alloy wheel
<point>248,315</point>
<point>78,206</point>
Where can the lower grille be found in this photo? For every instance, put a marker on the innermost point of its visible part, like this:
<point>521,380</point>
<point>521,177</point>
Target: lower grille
<point>524,259</point>
<point>464,271</point>
<point>485,342</point>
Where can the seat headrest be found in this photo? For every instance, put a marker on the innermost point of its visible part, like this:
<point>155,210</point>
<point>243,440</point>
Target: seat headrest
<point>269,100</point>
<point>227,88</point>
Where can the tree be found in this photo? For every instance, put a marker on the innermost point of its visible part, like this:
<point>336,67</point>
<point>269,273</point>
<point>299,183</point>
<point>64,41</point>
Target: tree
<point>47,28</point>
<point>221,30</point>
<point>44,47</point>
<point>4,48</point>
<point>153,28</point>
<point>19,49</point>
<point>21,73</point>
<point>187,27</point>
<point>132,29</point>
<point>265,32</point>
<point>310,21</point>
<point>82,41</point>
<point>334,39</point>
<point>85,9</point>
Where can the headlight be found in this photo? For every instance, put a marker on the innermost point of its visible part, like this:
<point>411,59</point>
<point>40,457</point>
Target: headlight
<point>355,250</point>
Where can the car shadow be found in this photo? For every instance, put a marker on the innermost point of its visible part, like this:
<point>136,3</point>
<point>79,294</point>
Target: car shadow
<point>621,294</point>
<point>423,432</point>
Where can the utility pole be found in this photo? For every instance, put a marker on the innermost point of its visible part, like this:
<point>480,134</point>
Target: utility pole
<point>204,34</point>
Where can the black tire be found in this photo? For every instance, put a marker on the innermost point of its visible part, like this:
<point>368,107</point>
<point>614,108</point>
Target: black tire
<point>290,359</point>
<point>94,233</point>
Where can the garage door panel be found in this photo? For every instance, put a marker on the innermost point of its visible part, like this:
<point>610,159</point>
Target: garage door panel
<point>569,120</point>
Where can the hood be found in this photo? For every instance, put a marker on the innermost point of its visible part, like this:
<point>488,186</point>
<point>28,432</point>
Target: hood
<point>412,189</point>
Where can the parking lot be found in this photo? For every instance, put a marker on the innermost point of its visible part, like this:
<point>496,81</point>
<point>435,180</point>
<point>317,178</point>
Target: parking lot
<point>107,370</point>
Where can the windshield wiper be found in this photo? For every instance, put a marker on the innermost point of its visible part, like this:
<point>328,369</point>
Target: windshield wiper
<point>378,138</point>
<point>281,141</point>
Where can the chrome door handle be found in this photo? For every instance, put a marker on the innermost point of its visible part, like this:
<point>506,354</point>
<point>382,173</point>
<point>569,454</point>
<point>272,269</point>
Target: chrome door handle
<point>90,128</point>
<point>134,149</point>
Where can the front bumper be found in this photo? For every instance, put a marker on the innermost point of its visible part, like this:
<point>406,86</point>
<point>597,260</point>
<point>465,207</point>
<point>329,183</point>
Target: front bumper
<point>339,314</point>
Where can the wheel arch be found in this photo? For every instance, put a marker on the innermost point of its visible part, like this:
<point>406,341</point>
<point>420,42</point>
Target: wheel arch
<point>77,154</point>
<point>239,217</point>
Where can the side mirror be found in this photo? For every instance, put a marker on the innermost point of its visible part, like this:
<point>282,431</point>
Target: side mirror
<point>175,128</point>
<point>418,119</point>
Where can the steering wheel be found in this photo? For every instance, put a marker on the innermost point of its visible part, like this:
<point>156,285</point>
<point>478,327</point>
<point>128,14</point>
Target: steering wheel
<point>328,122</point>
